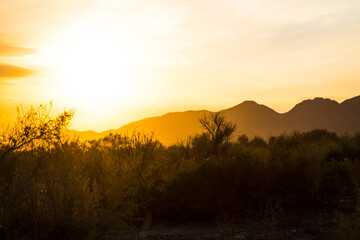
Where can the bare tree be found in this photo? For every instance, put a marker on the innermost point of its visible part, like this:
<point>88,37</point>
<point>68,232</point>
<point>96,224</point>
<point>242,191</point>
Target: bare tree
<point>219,130</point>
<point>35,125</point>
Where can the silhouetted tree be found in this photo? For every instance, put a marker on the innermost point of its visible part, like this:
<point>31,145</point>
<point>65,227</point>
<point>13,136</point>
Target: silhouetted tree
<point>219,130</point>
<point>34,125</point>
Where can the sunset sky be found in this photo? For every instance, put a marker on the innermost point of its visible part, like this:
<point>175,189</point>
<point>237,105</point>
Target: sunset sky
<point>116,61</point>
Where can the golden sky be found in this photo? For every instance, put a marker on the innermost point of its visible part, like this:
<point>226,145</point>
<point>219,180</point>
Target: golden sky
<point>119,61</point>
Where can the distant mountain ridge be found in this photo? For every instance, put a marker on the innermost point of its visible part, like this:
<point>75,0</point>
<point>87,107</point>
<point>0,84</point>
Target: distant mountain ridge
<point>252,119</point>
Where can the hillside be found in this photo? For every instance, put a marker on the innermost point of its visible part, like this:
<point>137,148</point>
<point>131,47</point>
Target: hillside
<point>252,119</point>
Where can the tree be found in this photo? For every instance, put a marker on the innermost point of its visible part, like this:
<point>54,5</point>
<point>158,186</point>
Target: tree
<point>35,125</point>
<point>218,129</point>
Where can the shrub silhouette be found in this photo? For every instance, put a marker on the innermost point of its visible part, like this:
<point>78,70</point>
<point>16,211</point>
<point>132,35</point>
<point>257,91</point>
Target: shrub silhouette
<point>33,126</point>
<point>219,131</point>
<point>68,189</point>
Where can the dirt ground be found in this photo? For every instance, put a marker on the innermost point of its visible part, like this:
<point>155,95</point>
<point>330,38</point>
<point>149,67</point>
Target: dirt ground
<point>322,224</point>
<point>325,223</point>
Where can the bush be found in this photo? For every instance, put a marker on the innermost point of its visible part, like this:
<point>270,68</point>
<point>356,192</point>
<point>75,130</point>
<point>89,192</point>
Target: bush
<point>53,188</point>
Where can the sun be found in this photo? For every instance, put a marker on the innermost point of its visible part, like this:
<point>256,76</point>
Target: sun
<point>93,67</point>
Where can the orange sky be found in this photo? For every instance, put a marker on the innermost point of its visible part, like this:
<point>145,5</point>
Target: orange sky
<point>119,61</point>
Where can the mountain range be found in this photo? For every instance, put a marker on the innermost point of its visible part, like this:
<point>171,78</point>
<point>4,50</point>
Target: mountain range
<point>252,119</point>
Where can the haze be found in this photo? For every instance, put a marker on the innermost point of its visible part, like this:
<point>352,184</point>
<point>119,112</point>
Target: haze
<point>119,61</point>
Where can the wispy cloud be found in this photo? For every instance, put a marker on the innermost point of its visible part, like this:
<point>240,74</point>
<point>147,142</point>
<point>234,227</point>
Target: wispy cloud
<point>13,51</point>
<point>6,82</point>
<point>9,71</point>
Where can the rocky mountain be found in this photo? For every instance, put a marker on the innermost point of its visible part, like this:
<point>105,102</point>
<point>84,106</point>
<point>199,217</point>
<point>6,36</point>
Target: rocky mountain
<point>251,119</point>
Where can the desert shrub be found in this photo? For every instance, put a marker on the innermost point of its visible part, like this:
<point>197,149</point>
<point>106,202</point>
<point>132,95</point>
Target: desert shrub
<point>56,188</point>
<point>201,147</point>
<point>34,127</point>
<point>291,170</point>
<point>258,142</point>
<point>216,187</point>
<point>133,168</point>
<point>47,199</point>
<point>337,180</point>
<point>219,131</point>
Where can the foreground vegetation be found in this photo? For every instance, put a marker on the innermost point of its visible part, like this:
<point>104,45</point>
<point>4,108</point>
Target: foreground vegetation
<point>53,187</point>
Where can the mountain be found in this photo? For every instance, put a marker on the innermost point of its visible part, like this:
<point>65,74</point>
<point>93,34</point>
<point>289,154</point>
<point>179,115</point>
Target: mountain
<point>252,119</point>
<point>310,114</point>
<point>327,114</point>
<point>168,128</point>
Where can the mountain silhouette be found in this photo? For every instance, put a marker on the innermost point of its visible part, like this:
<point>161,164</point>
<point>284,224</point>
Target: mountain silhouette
<point>252,119</point>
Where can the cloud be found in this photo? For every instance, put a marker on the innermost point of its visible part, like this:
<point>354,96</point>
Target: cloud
<point>5,82</point>
<point>11,51</point>
<point>9,71</point>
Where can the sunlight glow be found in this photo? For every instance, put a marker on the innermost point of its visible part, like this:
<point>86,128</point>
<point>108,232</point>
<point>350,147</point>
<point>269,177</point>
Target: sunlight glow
<point>93,66</point>
<point>115,61</point>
